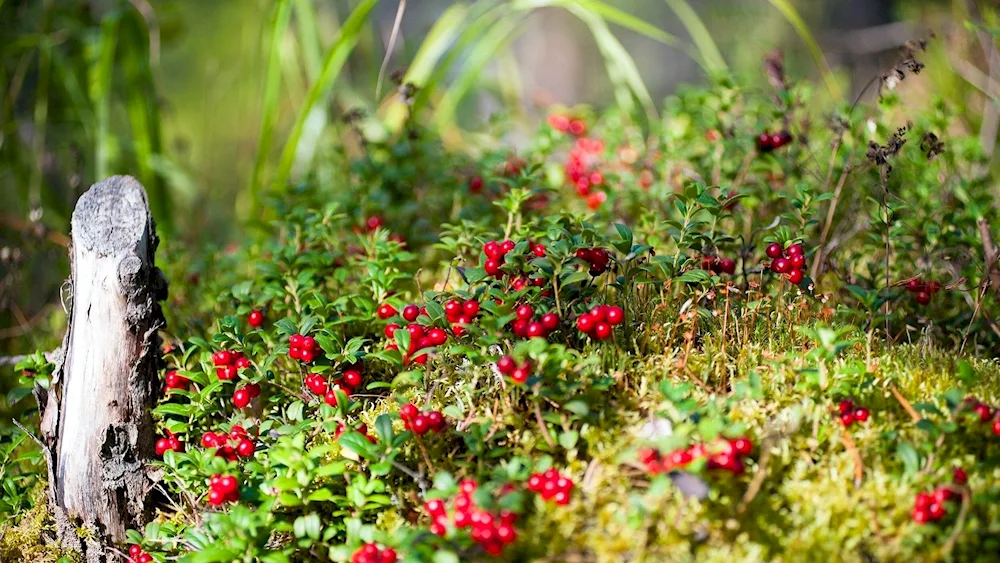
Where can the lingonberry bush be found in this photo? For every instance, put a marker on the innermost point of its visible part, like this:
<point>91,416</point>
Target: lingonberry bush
<point>724,335</point>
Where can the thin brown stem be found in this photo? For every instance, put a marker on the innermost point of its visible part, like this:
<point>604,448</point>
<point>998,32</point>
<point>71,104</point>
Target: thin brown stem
<point>543,427</point>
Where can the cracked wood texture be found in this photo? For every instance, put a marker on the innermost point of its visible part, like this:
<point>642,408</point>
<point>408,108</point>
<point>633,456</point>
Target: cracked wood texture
<point>96,416</point>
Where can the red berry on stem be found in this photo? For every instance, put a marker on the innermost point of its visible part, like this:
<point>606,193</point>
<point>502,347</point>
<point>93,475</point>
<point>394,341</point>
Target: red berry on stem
<point>774,250</point>
<point>538,250</point>
<point>794,250</point>
<point>352,378</point>
<point>602,330</point>
<point>550,321</point>
<point>798,261</point>
<point>222,358</point>
<point>408,411</point>
<point>241,398</point>
<point>525,312</point>
<point>492,250</point>
<point>255,319</point>
<point>245,448</point>
<point>420,424</point>
<point>795,277</point>
<point>923,297</point>
<point>411,312</point>
<point>959,477</point>
<point>536,330</point>
<point>506,365</point>
<point>781,266</point>
<point>507,245</point>
<point>585,323</point>
<point>470,308</point>
<point>614,315</point>
<point>386,311</point>
<point>453,309</point>
<point>520,374</point>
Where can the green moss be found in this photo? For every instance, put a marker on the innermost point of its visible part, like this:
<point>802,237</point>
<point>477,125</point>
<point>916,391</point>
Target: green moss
<point>22,538</point>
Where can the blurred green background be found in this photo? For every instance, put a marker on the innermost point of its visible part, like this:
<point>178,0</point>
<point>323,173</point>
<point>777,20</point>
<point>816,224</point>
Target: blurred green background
<point>213,103</point>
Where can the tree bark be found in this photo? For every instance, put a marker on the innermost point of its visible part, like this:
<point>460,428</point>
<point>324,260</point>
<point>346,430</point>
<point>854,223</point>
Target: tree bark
<point>96,420</point>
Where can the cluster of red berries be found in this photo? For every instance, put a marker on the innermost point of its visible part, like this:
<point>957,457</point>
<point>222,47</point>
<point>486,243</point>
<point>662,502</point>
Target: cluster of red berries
<point>168,443</point>
<point>528,326</point>
<point>243,395</point>
<point>370,553</point>
<point>597,258</point>
<point>232,446</point>
<point>767,142</point>
<point>420,337</point>
<point>302,348</point>
<point>582,170</point>
<point>922,291</point>
<point>255,319</point>
<point>985,413</point>
<point>223,489</point>
<point>419,422</point>
<point>566,124</point>
<point>137,555</point>
<point>789,261</point>
<point>726,455</point>
<point>490,530</point>
<point>552,485</point>
<point>228,363</point>
<point>361,429</point>
<point>348,383</point>
<point>459,314</point>
<point>932,506</point>
<point>718,265</point>
<point>507,365</point>
<point>851,413</point>
<point>597,322</point>
<point>174,380</point>
<point>495,253</point>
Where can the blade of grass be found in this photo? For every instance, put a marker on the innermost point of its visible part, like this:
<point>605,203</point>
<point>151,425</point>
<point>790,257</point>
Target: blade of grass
<point>269,110</point>
<point>711,58</point>
<point>793,17</point>
<point>630,22</point>
<point>100,70</point>
<point>336,57</point>
<point>144,117</point>
<point>497,37</point>
<point>434,46</point>
<point>305,17</point>
<point>621,67</point>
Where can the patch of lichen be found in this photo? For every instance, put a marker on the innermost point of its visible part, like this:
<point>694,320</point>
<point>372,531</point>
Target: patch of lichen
<point>23,537</point>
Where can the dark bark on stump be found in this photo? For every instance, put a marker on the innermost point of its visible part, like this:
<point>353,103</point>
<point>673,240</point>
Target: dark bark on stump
<point>96,420</point>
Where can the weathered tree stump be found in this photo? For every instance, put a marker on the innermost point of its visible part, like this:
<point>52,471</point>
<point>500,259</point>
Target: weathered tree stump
<point>96,420</point>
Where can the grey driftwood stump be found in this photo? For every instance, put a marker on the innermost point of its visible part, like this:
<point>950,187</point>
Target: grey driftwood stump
<point>96,422</point>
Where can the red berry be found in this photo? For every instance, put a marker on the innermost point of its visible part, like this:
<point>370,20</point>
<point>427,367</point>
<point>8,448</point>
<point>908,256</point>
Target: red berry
<point>162,445</point>
<point>306,356</point>
<point>330,397</point>
<point>847,419</point>
<point>795,276</point>
<point>408,411</point>
<point>492,250</point>
<point>538,250</point>
<point>420,424</point>
<point>781,266</point>
<point>794,250</point>
<point>295,353</point>
<point>983,411</point>
<point>861,415</point>
<point>389,555</point>
<point>525,312</point>
<point>584,254</point>
<point>798,261</point>
<point>386,311</point>
<point>914,285</point>
<point>390,330</point>
<point>599,257</point>
<point>520,374</point>
<point>453,309</point>
<point>923,501</point>
<point>228,484</point>
<point>727,266</point>
<point>921,515</point>
<point>923,298</point>
<point>507,245</point>
<point>996,427</point>
<point>134,550</point>
<point>933,287</point>
<point>436,420</point>
<point>222,358</point>
<point>506,365</point>
<point>614,315</point>
<point>476,184</point>
<point>241,363</point>
<point>585,323</point>
<point>352,378</point>
<point>492,267</point>
<point>742,446</point>
<point>943,495</point>
<point>308,343</point>
<point>470,308</point>
<point>550,321</point>
<point>536,330</point>
<point>774,250</point>
<point>845,406</point>
<point>411,312</point>
<point>936,511</point>
<point>245,448</point>
<point>602,331</point>
<point>765,143</point>
<point>241,398</point>
<point>255,319</point>
<point>959,477</point>
<point>599,313</point>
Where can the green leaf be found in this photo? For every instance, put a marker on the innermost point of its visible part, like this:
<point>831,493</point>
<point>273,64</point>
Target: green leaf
<point>383,425</point>
<point>908,455</point>
<point>577,406</point>
<point>568,439</point>
<point>308,526</point>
